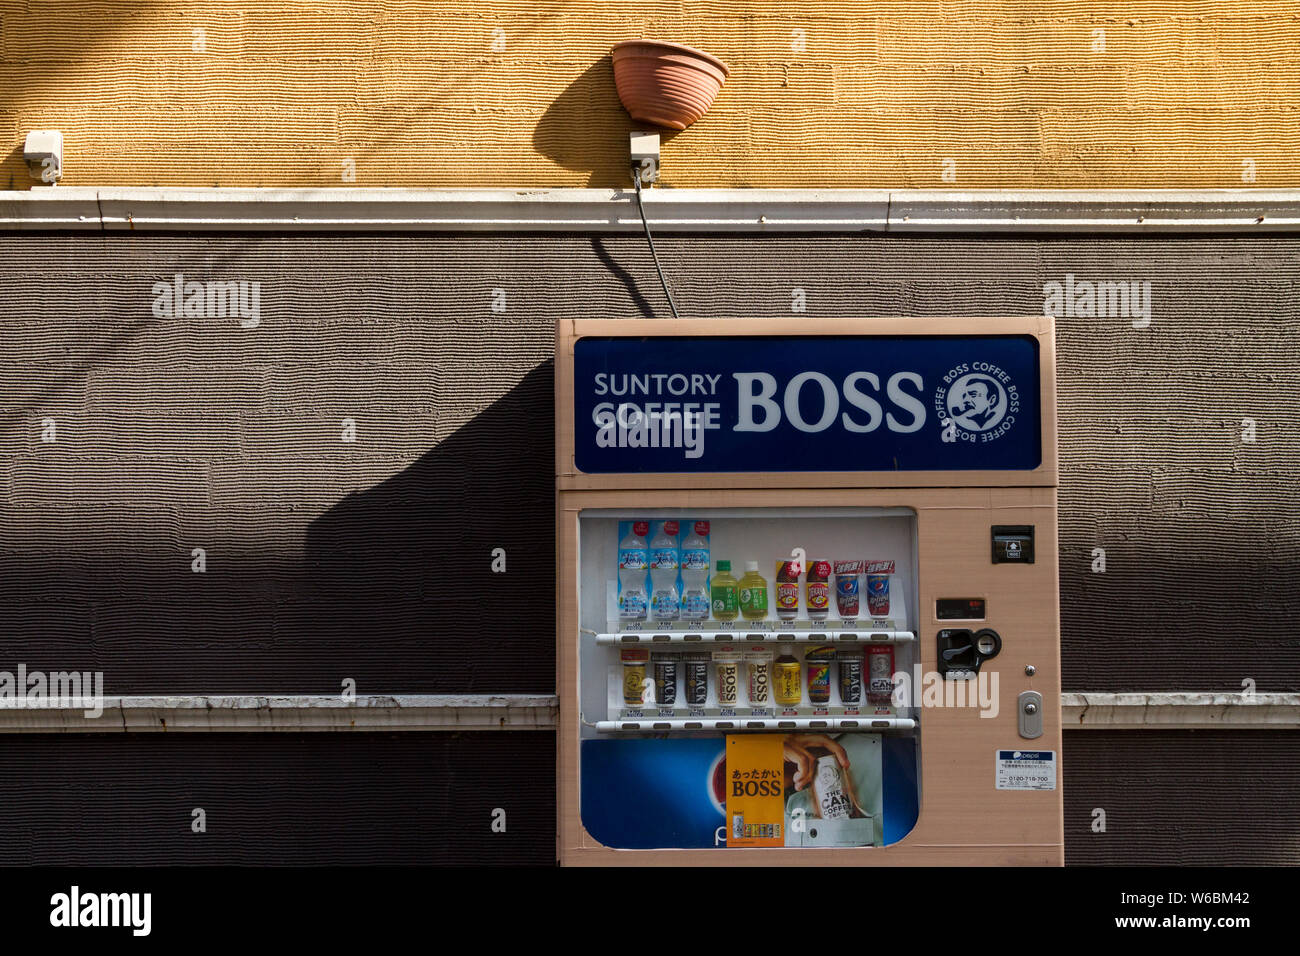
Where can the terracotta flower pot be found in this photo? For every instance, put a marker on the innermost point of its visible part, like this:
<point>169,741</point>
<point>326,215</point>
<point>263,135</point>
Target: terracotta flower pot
<point>665,83</point>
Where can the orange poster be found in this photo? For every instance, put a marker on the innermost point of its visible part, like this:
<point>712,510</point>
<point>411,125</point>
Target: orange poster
<point>755,790</point>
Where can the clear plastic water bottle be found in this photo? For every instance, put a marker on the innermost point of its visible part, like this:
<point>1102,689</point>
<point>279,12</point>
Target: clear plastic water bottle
<point>695,573</point>
<point>633,560</point>
<point>665,600</point>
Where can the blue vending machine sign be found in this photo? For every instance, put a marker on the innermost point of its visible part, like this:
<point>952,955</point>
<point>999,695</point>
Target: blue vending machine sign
<point>789,403</point>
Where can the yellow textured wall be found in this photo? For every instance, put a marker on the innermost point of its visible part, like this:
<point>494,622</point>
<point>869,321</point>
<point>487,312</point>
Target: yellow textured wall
<point>822,93</point>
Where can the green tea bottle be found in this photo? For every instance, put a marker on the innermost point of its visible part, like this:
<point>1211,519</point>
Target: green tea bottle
<point>724,590</point>
<point>753,593</point>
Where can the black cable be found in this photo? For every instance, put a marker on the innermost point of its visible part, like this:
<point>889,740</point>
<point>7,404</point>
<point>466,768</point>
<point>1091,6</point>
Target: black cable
<point>636,178</point>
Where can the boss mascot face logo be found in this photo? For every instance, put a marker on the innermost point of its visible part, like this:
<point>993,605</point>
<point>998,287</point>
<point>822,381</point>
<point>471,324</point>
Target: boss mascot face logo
<point>977,402</point>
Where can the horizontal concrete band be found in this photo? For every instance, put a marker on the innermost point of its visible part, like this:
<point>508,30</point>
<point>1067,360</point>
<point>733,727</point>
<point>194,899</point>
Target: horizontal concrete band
<point>668,210</point>
<point>305,713</point>
<point>1176,711</point>
<point>1169,711</point>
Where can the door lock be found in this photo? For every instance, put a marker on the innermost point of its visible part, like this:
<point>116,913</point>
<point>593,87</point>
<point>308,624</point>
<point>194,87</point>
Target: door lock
<point>1029,713</point>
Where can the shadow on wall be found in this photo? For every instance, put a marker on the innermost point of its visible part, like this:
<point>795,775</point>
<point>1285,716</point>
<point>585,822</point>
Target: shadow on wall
<point>587,112</point>
<point>411,560</point>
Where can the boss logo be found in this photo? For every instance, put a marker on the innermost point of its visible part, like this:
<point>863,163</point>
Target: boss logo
<point>755,788</point>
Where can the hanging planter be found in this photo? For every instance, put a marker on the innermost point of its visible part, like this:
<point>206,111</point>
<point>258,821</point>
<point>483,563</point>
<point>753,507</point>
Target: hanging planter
<point>666,83</point>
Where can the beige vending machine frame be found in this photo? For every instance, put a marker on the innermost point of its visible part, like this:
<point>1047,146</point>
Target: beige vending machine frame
<point>963,817</point>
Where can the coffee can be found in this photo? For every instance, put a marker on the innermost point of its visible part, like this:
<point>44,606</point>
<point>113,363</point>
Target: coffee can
<point>697,677</point>
<point>759,664</point>
<point>726,662</point>
<point>634,661</point>
<point>665,676</point>
<point>850,677</point>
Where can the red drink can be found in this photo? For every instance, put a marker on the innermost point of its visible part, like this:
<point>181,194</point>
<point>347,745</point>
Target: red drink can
<point>880,673</point>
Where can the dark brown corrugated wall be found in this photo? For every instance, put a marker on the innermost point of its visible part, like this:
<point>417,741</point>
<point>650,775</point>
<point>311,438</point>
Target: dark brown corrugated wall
<point>1182,798</point>
<point>278,799</point>
<point>329,560</point>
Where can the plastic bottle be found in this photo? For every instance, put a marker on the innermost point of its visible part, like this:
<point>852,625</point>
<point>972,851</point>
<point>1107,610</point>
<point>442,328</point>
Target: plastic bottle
<point>725,591</point>
<point>695,573</point>
<point>787,590</point>
<point>818,589</point>
<point>633,560</point>
<point>753,593</point>
<point>665,600</point>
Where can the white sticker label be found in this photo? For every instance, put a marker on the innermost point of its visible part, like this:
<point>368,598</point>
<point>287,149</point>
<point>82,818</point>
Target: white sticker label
<point>1025,769</point>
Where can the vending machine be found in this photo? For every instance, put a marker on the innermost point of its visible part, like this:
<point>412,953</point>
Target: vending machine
<point>807,592</point>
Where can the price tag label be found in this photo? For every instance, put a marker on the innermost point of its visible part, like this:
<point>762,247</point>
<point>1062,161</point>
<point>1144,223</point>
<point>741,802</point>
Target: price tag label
<point>1025,769</point>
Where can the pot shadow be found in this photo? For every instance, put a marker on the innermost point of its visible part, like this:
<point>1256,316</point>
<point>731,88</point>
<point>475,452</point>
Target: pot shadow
<point>412,559</point>
<point>586,128</point>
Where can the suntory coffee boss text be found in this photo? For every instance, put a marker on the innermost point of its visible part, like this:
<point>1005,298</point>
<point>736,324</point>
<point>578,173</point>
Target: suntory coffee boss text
<point>676,424</point>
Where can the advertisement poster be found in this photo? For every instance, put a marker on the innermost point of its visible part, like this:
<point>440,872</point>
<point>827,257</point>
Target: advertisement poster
<point>827,403</point>
<point>750,790</point>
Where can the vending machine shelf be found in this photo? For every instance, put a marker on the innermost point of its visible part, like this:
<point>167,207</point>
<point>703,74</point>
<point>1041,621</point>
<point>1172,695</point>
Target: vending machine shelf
<point>825,636</point>
<point>737,724</point>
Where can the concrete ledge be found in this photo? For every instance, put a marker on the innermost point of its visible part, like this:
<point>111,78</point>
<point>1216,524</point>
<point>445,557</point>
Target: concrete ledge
<point>262,714</point>
<point>115,209</point>
<point>1095,711</point>
<point>1174,711</point>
